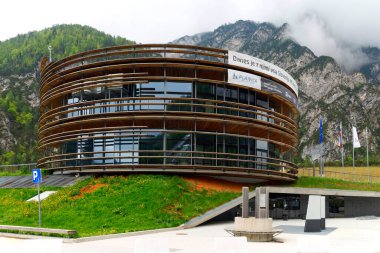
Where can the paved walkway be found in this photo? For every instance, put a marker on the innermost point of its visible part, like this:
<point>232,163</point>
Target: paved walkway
<point>49,180</point>
<point>342,235</point>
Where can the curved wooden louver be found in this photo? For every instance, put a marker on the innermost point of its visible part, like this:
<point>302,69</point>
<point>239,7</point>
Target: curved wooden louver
<point>143,108</point>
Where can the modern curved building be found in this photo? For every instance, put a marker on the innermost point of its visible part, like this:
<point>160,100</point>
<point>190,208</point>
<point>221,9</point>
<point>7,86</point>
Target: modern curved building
<point>168,109</point>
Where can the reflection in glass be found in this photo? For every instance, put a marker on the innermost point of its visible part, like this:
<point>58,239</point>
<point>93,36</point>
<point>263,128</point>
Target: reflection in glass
<point>178,90</point>
<point>178,143</point>
<point>262,153</point>
<point>147,147</point>
<point>205,147</point>
<point>152,142</point>
<point>205,91</point>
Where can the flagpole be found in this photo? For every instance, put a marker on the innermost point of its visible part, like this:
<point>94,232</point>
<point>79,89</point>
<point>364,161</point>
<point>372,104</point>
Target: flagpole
<point>353,150</point>
<point>341,145</point>
<point>353,156</point>
<point>366,136</point>
<point>320,146</point>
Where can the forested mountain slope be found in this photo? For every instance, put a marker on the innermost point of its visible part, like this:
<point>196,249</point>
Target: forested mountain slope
<point>19,58</point>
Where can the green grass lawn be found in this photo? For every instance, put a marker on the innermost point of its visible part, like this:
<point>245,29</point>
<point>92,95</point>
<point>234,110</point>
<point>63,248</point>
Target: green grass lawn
<point>112,204</point>
<point>346,173</point>
<point>14,173</point>
<point>330,183</point>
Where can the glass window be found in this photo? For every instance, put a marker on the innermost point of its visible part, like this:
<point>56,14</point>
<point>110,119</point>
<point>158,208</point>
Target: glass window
<point>206,142</point>
<point>152,89</point>
<point>128,144</point>
<point>243,96</point>
<point>111,106</point>
<point>262,101</point>
<point>205,91</point>
<point>231,147</point>
<point>113,92</point>
<point>178,89</point>
<point>252,152</point>
<point>220,140</point>
<point>262,145</point>
<point>151,142</point>
<point>178,143</point>
<point>128,90</point>
<point>252,98</point>
<point>220,92</point>
<point>73,99</point>
<point>206,146</point>
<point>86,145</point>
<point>231,94</point>
<point>243,146</point>
<point>243,99</point>
<point>71,147</point>
<point>109,147</point>
<point>262,152</point>
<point>94,93</point>
<point>243,149</point>
<point>231,144</point>
<point>98,148</point>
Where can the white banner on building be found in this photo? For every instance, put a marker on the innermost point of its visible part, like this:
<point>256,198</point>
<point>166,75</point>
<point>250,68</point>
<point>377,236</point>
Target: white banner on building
<point>245,79</point>
<point>256,64</point>
<point>355,138</point>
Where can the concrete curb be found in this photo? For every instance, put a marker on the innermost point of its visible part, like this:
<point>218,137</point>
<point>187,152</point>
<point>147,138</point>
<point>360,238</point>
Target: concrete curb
<point>26,236</point>
<point>113,236</point>
<point>91,238</point>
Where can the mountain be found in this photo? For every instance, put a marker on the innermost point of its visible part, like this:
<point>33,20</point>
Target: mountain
<point>372,69</point>
<point>19,101</point>
<point>325,88</point>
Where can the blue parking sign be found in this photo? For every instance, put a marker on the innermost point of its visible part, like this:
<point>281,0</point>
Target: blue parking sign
<point>36,175</point>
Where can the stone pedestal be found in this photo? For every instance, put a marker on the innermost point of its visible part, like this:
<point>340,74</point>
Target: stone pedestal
<point>253,225</point>
<point>255,230</point>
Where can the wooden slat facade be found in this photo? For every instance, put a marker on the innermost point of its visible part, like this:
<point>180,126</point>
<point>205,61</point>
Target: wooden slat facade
<point>77,110</point>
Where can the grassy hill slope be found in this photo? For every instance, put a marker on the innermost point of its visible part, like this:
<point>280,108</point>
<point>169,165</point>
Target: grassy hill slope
<point>109,205</point>
<point>113,204</point>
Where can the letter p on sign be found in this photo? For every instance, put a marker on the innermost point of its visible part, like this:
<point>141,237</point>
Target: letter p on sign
<point>36,175</point>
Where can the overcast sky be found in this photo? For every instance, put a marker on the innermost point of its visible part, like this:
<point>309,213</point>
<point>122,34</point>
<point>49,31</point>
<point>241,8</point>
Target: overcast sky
<point>329,27</point>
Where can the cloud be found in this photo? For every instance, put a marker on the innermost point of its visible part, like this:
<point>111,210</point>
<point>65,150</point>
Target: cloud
<point>312,31</point>
<point>328,27</point>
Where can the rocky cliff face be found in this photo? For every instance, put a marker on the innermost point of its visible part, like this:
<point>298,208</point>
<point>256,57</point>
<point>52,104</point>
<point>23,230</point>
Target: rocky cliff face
<point>18,118</point>
<point>325,88</point>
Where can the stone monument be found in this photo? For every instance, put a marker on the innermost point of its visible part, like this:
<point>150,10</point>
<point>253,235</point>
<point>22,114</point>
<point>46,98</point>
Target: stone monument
<point>256,229</point>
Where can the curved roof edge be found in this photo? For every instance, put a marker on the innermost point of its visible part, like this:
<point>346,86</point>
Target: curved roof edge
<point>261,66</point>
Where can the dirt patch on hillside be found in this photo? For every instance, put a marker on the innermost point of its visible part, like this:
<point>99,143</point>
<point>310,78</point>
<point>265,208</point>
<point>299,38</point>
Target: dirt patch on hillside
<point>208,183</point>
<point>88,189</point>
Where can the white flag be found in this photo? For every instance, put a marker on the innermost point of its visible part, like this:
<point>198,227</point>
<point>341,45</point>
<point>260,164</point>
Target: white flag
<point>355,139</point>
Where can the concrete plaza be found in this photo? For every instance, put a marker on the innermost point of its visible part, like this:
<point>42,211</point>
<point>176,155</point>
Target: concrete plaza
<point>341,235</point>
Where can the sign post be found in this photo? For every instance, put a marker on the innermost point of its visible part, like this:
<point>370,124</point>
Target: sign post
<point>37,179</point>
